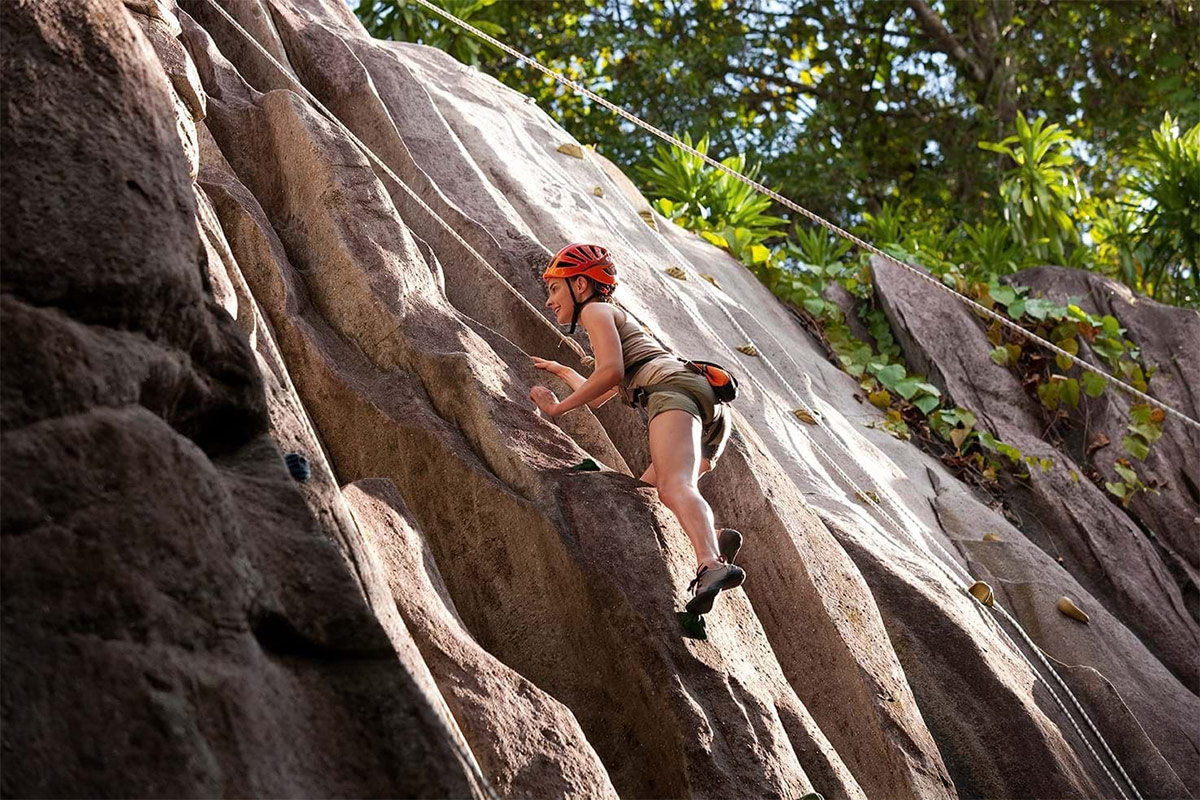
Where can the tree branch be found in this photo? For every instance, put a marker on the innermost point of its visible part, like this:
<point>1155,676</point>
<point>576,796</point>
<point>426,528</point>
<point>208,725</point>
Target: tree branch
<point>943,39</point>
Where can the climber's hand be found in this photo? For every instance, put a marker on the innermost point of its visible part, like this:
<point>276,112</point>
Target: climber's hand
<point>545,400</point>
<point>553,367</point>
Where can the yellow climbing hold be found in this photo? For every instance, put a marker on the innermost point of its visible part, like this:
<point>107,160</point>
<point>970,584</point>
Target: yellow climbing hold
<point>598,191</point>
<point>991,537</point>
<point>648,217</point>
<point>865,496</point>
<point>571,149</point>
<point>1066,606</point>
<point>748,349</point>
<point>676,272</point>
<point>710,279</point>
<point>804,416</point>
<point>983,593</point>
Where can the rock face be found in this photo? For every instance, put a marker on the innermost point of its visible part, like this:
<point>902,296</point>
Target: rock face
<point>175,619</point>
<point>202,272</point>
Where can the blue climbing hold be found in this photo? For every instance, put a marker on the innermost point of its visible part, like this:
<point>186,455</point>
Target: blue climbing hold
<point>297,464</point>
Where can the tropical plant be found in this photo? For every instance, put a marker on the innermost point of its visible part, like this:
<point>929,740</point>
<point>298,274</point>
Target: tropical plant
<point>1039,194</point>
<point>818,248</point>
<point>1116,232</point>
<point>1168,167</point>
<point>698,196</point>
<point>990,250</point>
<point>407,22</point>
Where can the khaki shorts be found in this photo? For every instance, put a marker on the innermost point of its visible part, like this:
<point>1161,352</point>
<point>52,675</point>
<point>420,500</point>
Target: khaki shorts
<point>687,391</point>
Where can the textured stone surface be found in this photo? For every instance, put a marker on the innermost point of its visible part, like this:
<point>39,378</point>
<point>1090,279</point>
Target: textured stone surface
<point>528,744</point>
<point>1100,544</point>
<point>465,589</point>
<point>174,621</point>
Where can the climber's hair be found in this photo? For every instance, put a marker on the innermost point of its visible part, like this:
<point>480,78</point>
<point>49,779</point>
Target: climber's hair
<point>603,293</point>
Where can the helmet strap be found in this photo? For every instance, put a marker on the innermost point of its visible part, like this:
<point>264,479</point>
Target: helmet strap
<point>578,305</point>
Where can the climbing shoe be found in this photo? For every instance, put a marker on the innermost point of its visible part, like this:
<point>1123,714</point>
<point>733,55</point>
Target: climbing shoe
<point>709,582</point>
<point>729,542</point>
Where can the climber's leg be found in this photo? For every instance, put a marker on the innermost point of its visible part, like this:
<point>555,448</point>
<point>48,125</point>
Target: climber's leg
<point>651,477</point>
<point>675,455</point>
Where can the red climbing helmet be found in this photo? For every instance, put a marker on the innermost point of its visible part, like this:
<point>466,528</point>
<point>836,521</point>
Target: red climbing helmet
<point>590,260</point>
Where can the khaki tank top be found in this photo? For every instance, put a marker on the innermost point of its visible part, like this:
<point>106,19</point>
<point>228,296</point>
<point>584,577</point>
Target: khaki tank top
<point>637,345</point>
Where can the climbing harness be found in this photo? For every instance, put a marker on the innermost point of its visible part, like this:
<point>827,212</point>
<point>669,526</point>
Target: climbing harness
<point>722,381</point>
<point>467,755</point>
<point>811,216</point>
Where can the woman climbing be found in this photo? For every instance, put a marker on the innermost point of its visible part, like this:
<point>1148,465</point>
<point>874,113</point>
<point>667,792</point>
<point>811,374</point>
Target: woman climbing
<point>688,425</point>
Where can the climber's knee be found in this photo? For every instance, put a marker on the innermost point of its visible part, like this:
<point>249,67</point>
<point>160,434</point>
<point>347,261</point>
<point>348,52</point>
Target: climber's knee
<point>673,491</point>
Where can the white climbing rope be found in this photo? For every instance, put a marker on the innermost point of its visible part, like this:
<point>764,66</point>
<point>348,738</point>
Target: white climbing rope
<point>811,216</point>
<point>466,754</point>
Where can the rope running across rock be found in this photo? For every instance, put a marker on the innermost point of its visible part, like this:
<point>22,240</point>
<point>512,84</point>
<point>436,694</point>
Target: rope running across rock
<point>788,203</point>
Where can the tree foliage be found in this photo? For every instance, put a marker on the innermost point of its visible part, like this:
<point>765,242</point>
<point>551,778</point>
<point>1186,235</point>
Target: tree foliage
<point>848,103</point>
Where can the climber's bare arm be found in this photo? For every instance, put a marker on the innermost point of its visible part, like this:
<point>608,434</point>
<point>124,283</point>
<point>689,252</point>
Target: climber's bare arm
<point>597,388</point>
<point>572,379</point>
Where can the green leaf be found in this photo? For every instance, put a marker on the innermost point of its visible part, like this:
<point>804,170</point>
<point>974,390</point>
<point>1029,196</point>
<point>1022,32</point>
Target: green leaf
<point>1049,394</point>
<point>890,375</point>
<point>1000,355</point>
<point>907,388</point>
<point>1127,473</point>
<point>1119,489</point>
<point>1093,384</point>
<point>1148,431</point>
<point>880,399</point>
<point>1002,294</point>
<point>926,403</point>
<point>1070,392</point>
<point>1012,453</point>
<point>1038,308</point>
<point>1136,446</point>
<point>815,306</point>
<point>1141,413</point>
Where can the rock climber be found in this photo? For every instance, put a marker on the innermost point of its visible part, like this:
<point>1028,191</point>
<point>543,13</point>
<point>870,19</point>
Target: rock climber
<point>688,426</point>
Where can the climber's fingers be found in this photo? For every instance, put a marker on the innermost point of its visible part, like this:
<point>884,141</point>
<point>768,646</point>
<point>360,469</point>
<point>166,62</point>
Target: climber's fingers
<point>550,366</point>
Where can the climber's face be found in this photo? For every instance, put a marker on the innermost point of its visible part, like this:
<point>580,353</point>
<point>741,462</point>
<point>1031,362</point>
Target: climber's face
<point>558,297</point>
